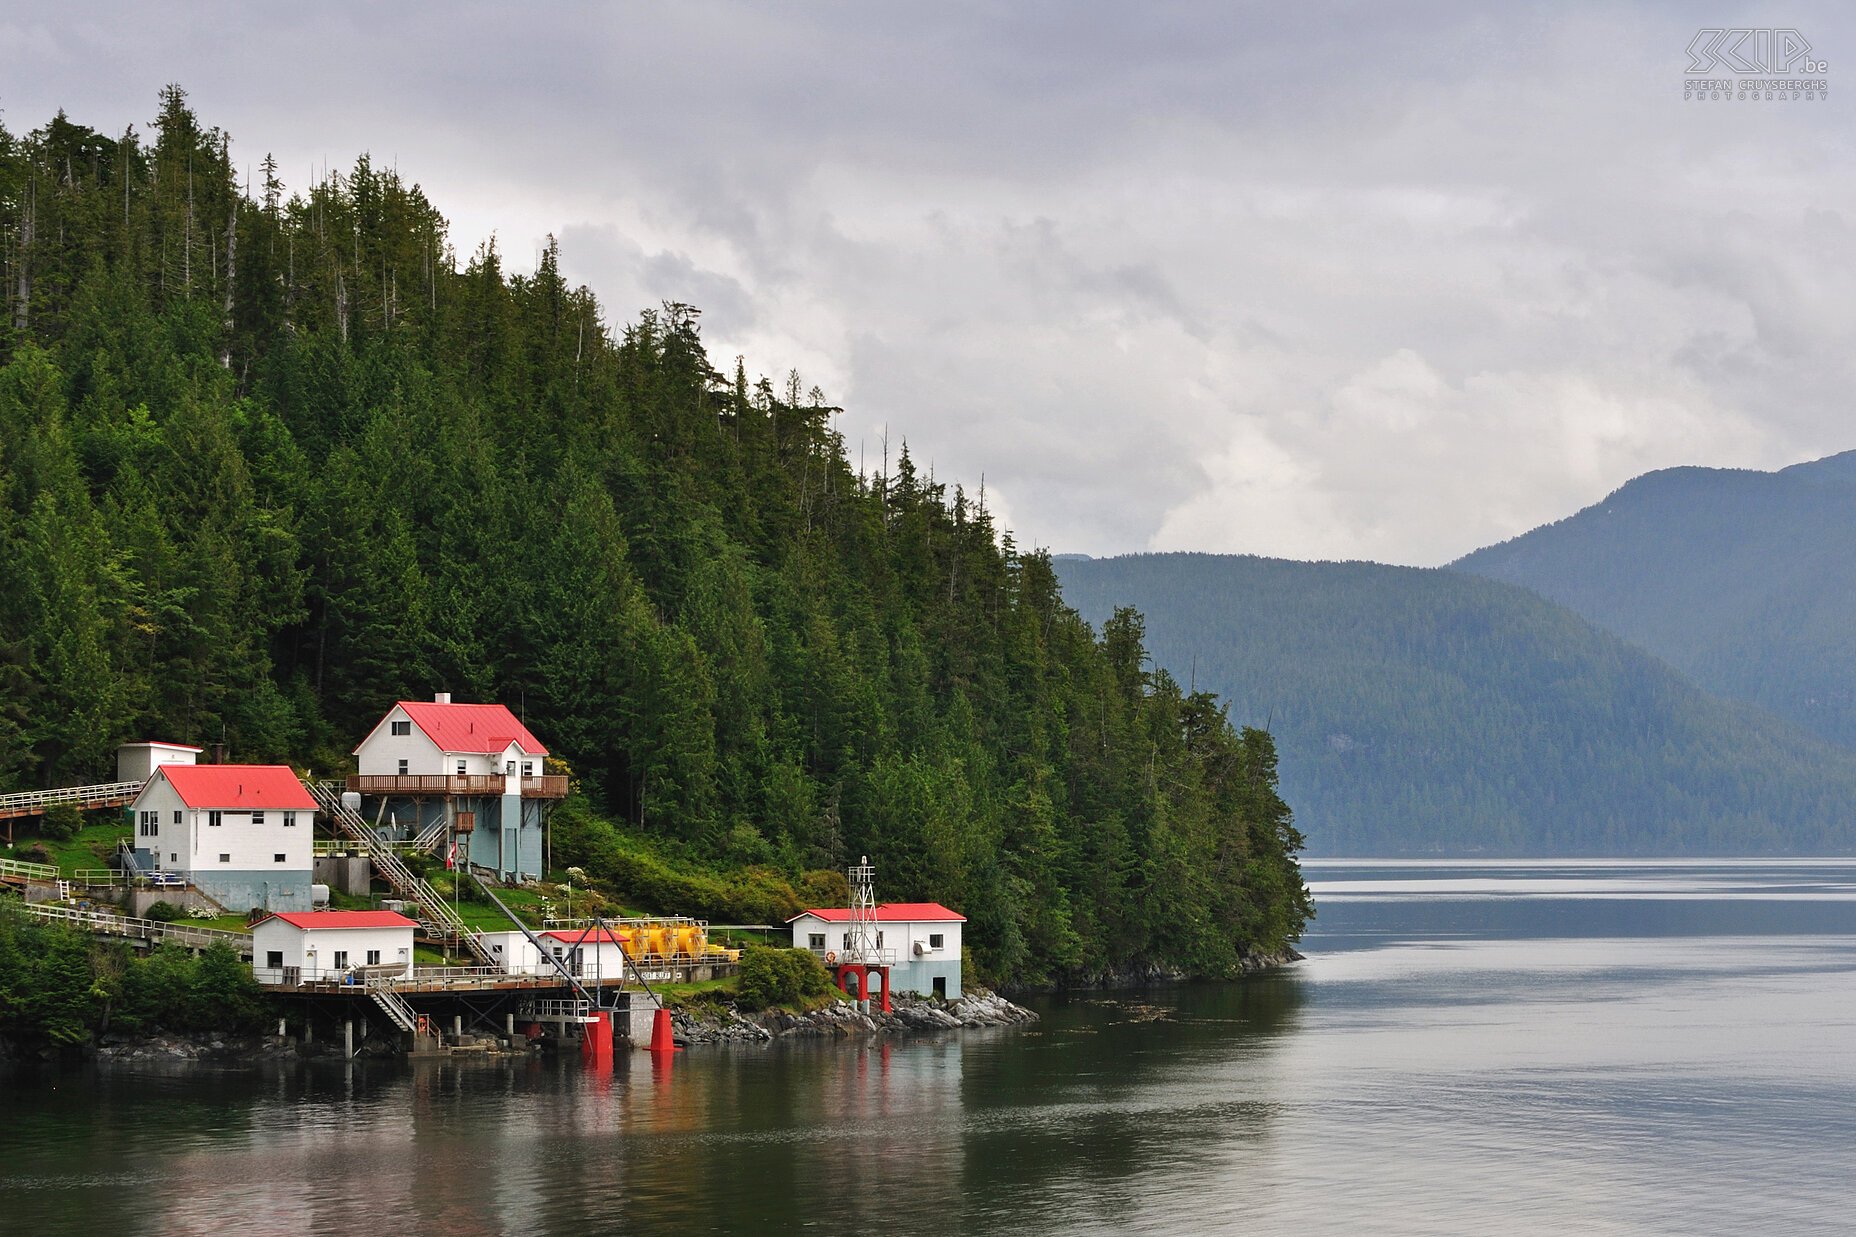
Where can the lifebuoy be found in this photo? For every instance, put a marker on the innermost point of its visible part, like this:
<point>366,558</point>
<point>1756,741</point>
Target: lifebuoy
<point>831,956</point>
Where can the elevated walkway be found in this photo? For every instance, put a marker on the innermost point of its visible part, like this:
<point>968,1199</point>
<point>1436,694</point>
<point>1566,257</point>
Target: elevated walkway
<point>34,802</point>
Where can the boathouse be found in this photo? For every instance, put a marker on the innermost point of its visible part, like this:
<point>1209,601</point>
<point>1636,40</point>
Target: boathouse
<point>331,946</point>
<point>240,834</point>
<point>920,942</point>
<point>473,771</point>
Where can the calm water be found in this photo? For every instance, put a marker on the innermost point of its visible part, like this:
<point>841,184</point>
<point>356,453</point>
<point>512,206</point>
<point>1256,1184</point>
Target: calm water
<point>1568,1047</point>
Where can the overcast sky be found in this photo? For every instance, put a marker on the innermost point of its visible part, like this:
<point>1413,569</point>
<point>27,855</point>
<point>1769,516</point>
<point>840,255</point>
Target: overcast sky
<point>1318,282</point>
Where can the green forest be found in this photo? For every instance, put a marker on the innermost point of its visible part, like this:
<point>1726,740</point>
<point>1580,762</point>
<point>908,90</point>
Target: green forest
<point>1742,580</point>
<point>1431,711</point>
<point>273,458</point>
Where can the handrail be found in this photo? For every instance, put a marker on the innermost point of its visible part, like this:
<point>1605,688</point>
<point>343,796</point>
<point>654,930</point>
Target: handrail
<point>31,871</point>
<point>27,800</point>
<point>146,929</point>
<point>439,918</point>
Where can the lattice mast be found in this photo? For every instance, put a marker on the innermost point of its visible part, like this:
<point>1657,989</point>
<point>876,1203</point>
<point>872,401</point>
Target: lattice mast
<point>860,936</point>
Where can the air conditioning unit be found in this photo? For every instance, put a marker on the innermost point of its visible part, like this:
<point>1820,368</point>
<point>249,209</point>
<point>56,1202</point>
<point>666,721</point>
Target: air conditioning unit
<point>921,947</point>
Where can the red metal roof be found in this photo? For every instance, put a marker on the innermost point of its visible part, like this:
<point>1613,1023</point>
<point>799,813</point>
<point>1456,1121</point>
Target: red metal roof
<point>239,787</point>
<point>891,912</point>
<point>343,919</point>
<point>482,729</point>
<point>589,936</point>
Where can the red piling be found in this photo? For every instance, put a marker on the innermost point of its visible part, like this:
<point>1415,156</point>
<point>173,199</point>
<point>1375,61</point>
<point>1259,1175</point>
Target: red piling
<point>596,1040</point>
<point>663,1038</point>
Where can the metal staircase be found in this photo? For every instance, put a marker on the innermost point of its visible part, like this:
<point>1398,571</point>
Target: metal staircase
<point>435,916</point>
<point>402,1014</point>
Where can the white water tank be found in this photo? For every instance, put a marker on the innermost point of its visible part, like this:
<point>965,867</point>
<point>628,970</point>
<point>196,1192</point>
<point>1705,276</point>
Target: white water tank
<point>351,799</point>
<point>318,896</point>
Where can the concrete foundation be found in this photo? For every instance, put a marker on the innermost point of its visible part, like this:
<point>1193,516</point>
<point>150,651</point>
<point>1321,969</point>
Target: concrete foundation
<point>347,874</point>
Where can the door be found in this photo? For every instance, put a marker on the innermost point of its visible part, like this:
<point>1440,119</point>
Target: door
<point>940,986</point>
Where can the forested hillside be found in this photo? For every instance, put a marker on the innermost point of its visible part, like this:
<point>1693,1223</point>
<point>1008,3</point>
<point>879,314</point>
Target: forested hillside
<point>1741,579</point>
<point>270,461</point>
<point>1428,710</point>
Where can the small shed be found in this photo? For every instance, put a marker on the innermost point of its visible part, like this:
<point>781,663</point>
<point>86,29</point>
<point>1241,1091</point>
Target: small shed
<point>137,762</point>
<point>516,954</point>
<point>590,953</point>
<point>331,946</point>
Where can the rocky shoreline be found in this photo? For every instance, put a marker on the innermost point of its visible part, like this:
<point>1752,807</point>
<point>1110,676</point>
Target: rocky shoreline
<point>909,1014</point>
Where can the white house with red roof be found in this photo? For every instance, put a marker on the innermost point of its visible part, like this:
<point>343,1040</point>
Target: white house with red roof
<point>241,834</point>
<point>475,768</point>
<point>921,940</point>
<point>331,946</point>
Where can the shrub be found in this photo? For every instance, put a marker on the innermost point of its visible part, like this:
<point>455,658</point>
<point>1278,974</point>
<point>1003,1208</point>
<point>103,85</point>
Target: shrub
<point>771,976</point>
<point>62,821</point>
<point>165,912</point>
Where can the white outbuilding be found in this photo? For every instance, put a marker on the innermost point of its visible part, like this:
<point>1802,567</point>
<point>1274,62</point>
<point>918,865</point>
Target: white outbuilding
<point>919,941</point>
<point>331,946</point>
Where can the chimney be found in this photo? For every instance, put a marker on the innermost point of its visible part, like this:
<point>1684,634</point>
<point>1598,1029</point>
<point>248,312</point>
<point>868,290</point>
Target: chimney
<point>218,753</point>
<point>441,697</point>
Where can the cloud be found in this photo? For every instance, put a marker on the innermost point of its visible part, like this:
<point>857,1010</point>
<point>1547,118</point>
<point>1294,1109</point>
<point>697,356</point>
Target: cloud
<point>1314,280</point>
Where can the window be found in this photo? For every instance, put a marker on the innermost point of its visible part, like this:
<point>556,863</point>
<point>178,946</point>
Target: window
<point>212,818</point>
<point>224,858</point>
<point>289,820</point>
<point>509,768</point>
<point>257,818</point>
<point>341,959</point>
<point>173,858</point>
<point>274,958</point>
<point>148,824</point>
<point>815,940</point>
<point>373,957</point>
<point>528,768</point>
<point>277,858</point>
<point>177,816</point>
<point>402,727</point>
<point>463,768</point>
<point>402,768</point>
<point>879,940</point>
<point>934,940</point>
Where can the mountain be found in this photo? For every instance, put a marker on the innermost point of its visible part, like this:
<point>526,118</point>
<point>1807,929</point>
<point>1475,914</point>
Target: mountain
<point>1427,710</point>
<point>270,462</point>
<point>1743,580</point>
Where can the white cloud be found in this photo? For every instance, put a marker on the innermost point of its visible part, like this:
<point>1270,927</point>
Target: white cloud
<point>1323,282</point>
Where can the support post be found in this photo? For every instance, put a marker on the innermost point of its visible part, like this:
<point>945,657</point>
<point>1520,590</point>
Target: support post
<point>457,1028</point>
<point>348,1039</point>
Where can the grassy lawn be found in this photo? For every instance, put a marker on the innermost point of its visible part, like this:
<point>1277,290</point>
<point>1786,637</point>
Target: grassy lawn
<point>94,843</point>
<point>225,923</point>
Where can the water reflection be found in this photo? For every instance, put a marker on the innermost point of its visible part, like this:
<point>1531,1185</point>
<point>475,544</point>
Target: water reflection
<point>1554,1047</point>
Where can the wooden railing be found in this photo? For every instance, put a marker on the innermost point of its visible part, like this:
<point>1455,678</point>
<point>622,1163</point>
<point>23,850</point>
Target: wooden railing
<point>547,786</point>
<point>427,784</point>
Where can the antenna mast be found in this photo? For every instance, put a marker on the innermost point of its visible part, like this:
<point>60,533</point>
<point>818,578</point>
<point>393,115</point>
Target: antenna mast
<point>860,938</point>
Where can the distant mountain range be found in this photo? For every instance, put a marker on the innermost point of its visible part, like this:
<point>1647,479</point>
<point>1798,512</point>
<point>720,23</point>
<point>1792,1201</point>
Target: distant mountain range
<point>1745,581</point>
<point>1425,711</point>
